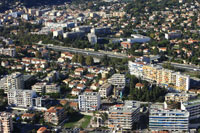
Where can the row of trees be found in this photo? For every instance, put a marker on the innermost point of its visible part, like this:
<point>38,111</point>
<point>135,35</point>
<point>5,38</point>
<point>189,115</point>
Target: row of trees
<point>88,60</point>
<point>148,93</point>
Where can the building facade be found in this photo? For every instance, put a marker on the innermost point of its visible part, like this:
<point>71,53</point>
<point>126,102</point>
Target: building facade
<point>13,81</point>
<point>105,90</point>
<point>6,123</point>
<point>193,107</point>
<point>55,115</point>
<point>23,98</point>
<point>161,119</point>
<point>89,101</point>
<point>124,115</point>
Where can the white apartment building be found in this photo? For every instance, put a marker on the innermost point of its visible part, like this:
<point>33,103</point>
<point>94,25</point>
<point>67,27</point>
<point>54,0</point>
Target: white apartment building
<point>162,119</point>
<point>39,87</point>
<point>6,123</point>
<point>124,115</point>
<point>13,81</point>
<point>8,51</point>
<point>179,97</point>
<point>136,68</point>
<point>52,88</point>
<point>89,101</point>
<point>23,98</point>
<point>118,80</point>
<point>92,38</point>
<point>105,90</point>
<point>193,107</point>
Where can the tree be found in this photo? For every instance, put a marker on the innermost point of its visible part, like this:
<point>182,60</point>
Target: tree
<point>38,54</point>
<point>75,58</point>
<point>89,60</point>
<point>81,59</point>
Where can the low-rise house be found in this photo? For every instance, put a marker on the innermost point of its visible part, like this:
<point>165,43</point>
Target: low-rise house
<point>139,85</point>
<point>81,86</point>
<point>28,116</point>
<point>75,92</point>
<point>42,130</point>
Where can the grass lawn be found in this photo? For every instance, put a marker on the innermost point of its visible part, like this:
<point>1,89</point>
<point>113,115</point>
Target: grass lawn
<point>78,121</point>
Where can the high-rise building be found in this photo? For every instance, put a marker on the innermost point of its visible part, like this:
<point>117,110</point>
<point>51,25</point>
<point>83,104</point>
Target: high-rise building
<point>165,119</point>
<point>23,98</point>
<point>89,101</point>
<point>13,81</point>
<point>55,115</point>
<point>6,123</point>
<point>160,76</point>
<point>124,115</point>
<point>193,107</point>
<point>119,83</point>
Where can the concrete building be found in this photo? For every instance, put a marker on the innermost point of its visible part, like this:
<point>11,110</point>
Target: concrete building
<point>179,97</point>
<point>164,119</point>
<point>193,107</point>
<point>23,98</point>
<point>52,88</point>
<point>13,81</point>
<point>160,76</point>
<point>73,35</point>
<point>39,87</point>
<point>6,123</point>
<point>136,68</point>
<point>173,35</point>
<point>92,38</point>
<point>124,115</point>
<point>89,101</point>
<point>119,83</point>
<point>101,31</point>
<point>55,115</point>
<point>105,90</point>
<point>8,51</point>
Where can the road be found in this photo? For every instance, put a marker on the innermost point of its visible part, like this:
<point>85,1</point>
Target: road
<point>85,52</point>
<point>184,66</point>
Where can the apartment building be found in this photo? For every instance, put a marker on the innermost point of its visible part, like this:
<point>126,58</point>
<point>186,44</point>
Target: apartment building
<point>55,115</point>
<point>39,87</point>
<point>89,101</point>
<point>193,107</point>
<point>160,76</point>
<point>136,68</point>
<point>13,81</point>
<point>8,51</point>
<point>23,98</point>
<point>118,80</point>
<point>52,88</point>
<point>123,115</point>
<point>119,83</point>
<point>6,123</point>
<point>179,97</point>
<point>165,119</point>
<point>105,90</point>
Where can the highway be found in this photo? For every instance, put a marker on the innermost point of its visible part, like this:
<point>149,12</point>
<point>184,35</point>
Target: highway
<point>184,66</point>
<point>86,52</point>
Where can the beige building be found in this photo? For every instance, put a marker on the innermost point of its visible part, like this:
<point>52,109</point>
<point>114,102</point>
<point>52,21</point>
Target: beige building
<point>55,115</point>
<point>123,115</point>
<point>179,97</point>
<point>105,90</point>
<point>6,123</point>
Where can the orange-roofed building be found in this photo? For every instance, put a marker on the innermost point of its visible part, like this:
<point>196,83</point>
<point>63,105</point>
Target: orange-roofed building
<point>42,130</point>
<point>55,115</point>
